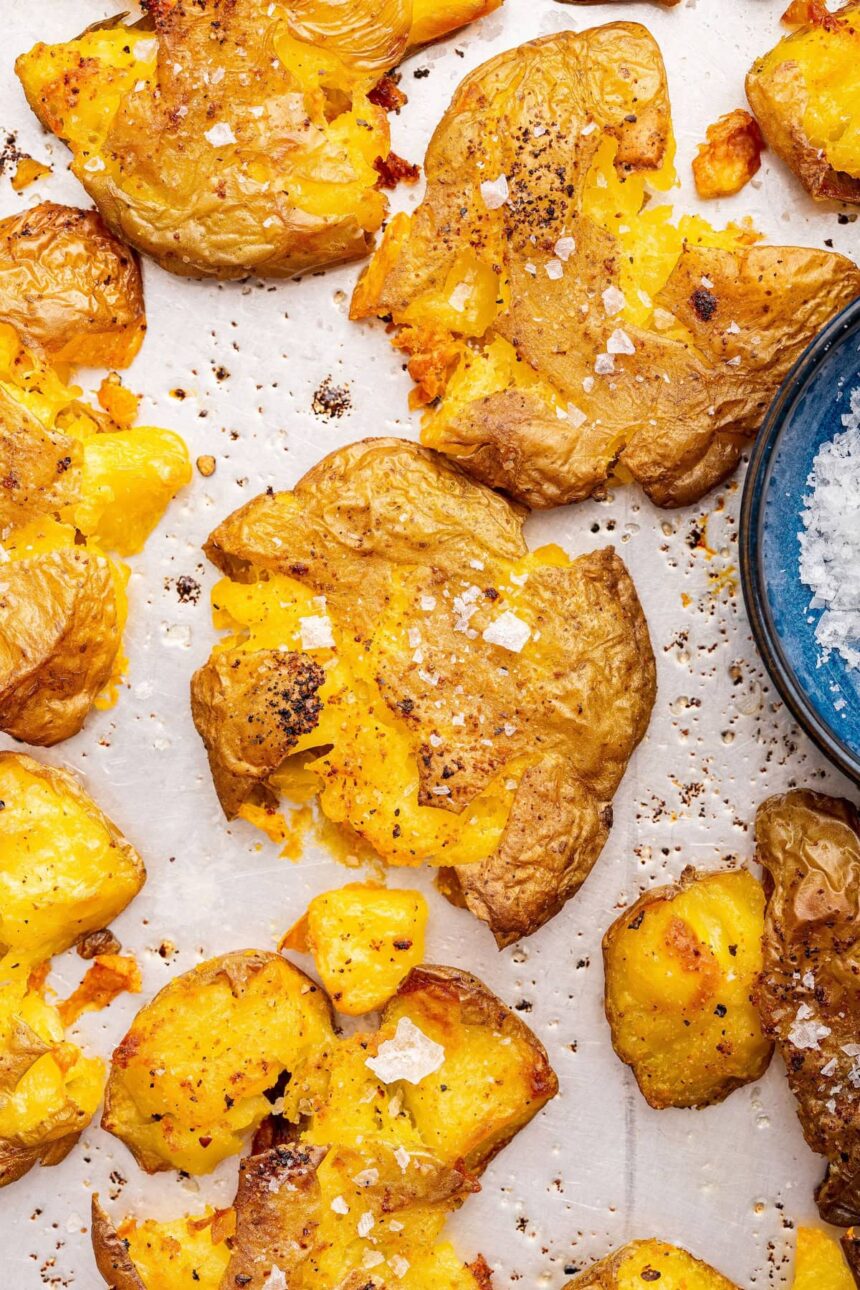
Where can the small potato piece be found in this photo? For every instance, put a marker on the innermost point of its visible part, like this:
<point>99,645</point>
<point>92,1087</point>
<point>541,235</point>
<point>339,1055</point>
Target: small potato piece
<point>681,965</point>
<point>364,940</point>
<point>187,1083</point>
<point>819,1263</point>
<point>179,1255</point>
<point>730,157</point>
<point>495,1075</point>
<point>806,97</point>
<point>635,1266</point>
<point>809,991</point>
<point>70,288</point>
<point>65,868</point>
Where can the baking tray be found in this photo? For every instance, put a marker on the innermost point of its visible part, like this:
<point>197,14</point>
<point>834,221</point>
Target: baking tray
<point>598,1167</point>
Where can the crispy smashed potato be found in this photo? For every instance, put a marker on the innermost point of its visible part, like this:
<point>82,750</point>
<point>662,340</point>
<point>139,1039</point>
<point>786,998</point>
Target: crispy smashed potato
<point>65,871</point>
<point>364,940</point>
<point>373,1139</point>
<point>680,966</point>
<point>730,156</point>
<point>635,1265</point>
<point>536,213</point>
<point>76,486</point>
<point>851,1250</point>
<point>806,97</point>
<point>819,1264</point>
<point>809,990</point>
<point>453,697</point>
<point>267,135</point>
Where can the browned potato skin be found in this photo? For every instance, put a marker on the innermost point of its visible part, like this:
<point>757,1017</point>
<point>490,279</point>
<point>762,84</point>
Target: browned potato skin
<point>112,1257</point>
<point>18,1157</point>
<point>810,847</point>
<point>342,542</point>
<point>43,466</point>
<point>70,288</point>
<point>58,645</point>
<point>778,99</point>
<point>604,1275</point>
<point>679,438</point>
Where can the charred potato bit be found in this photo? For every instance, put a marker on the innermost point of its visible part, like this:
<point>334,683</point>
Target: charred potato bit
<point>268,122</point>
<point>809,990</point>
<point>74,485</point>
<point>364,940</point>
<point>730,157</point>
<point>65,870</point>
<point>636,1265</point>
<point>681,965</point>
<point>806,97</point>
<point>451,696</point>
<point>819,1263</point>
<point>536,214</point>
<point>375,1139</point>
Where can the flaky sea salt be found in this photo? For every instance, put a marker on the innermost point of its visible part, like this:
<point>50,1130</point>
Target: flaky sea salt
<point>508,631</point>
<point>315,631</point>
<point>830,540</point>
<point>613,301</point>
<point>620,343</point>
<point>276,1280</point>
<point>805,1031</point>
<point>220,134</point>
<point>409,1055</point>
<point>495,192</point>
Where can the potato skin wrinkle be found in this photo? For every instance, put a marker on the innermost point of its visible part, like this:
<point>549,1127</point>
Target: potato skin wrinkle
<point>268,136</point>
<point>363,668</point>
<point>808,994</point>
<point>641,1262</point>
<point>536,211</point>
<point>681,965</point>
<point>805,97</point>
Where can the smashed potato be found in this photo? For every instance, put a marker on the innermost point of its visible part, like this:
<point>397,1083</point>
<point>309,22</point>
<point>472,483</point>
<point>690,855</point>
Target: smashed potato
<point>453,697</point>
<point>809,989</point>
<point>819,1263</point>
<point>372,1140</point>
<point>267,136</point>
<point>641,1262</point>
<point>65,871</point>
<point>730,156</point>
<point>75,485</point>
<point>364,940</point>
<point>681,965</point>
<point>537,213</point>
<point>806,98</point>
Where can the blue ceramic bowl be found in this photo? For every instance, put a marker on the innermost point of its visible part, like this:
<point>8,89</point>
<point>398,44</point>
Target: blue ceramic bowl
<point>807,411</point>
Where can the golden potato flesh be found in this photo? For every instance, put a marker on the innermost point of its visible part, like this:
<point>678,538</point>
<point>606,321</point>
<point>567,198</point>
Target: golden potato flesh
<point>364,940</point>
<point>636,1265</point>
<point>69,288</point>
<point>268,137</point>
<point>536,213</point>
<point>189,1080</point>
<point>451,696</point>
<point>65,870</point>
<point>819,1263</point>
<point>681,965</point>
<point>377,1138</point>
<point>805,94</point>
<point>809,990</point>
<point>76,486</point>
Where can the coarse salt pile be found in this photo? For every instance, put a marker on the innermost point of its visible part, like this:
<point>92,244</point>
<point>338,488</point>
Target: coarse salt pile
<point>830,541</point>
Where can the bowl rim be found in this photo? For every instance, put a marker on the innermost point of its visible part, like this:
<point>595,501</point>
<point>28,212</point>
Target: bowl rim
<point>765,634</point>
